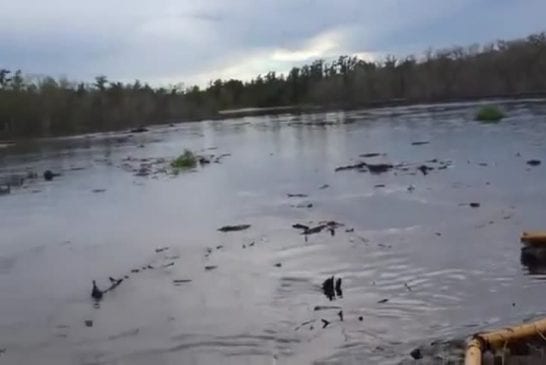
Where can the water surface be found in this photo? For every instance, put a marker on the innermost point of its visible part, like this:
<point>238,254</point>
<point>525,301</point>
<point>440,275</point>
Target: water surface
<point>447,269</point>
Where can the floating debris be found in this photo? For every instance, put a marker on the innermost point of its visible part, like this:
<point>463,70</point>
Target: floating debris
<point>139,130</point>
<point>332,290</point>
<point>98,190</point>
<point>325,186</point>
<point>325,323</point>
<point>49,175</point>
<point>304,324</point>
<point>328,288</point>
<point>325,307</point>
<point>161,249</point>
<point>360,318</point>
<point>340,314</point>
<point>239,227</point>
<point>278,264</point>
<point>96,293</point>
<point>88,323</point>
<point>474,205</point>
<point>114,285</point>
<point>379,186</point>
<point>383,301</point>
<point>533,162</point>
<point>372,154</point>
<point>210,267</point>
<point>419,143</point>
<point>168,265</point>
<point>314,230</point>
<point>359,165</point>
<point>339,292</point>
<point>203,160</point>
<point>416,354</point>
<point>181,281</point>
<point>425,169</point>
<point>379,168</point>
<point>300,226</point>
<point>297,195</point>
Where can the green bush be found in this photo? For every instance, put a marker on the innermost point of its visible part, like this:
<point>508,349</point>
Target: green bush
<point>187,160</point>
<point>489,113</point>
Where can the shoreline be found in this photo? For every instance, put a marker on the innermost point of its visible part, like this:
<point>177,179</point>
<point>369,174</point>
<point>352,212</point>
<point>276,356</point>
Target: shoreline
<point>231,114</point>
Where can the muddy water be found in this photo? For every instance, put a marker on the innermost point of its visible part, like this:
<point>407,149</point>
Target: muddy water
<point>447,269</point>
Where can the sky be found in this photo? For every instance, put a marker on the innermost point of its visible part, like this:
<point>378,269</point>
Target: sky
<point>166,42</point>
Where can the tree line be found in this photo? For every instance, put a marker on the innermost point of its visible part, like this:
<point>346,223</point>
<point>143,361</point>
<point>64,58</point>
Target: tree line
<point>46,106</point>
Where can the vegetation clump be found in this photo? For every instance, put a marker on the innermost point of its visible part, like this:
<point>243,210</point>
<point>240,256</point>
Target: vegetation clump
<point>489,114</point>
<point>187,160</point>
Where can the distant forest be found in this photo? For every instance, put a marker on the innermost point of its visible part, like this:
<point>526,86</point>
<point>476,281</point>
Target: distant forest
<point>46,106</point>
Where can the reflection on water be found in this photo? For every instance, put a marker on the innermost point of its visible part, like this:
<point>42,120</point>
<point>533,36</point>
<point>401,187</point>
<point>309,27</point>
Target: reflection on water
<point>415,262</point>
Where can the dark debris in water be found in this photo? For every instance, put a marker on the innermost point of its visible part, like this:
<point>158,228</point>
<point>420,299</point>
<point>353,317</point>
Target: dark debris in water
<point>300,226</point>
<point>380,168</point>
<point>50,175</point>
<point>533,162</point>
<point>332,288</point>
<point>325,307</point>
<point>416,354</point>
<point>235,228</point>
<point>181,281</point>
<point>419,143</point>
<point>425,169</point>
<point>297,195</point>
<point>139,130</point>
<point>372,154</point>
<point>88,323</point>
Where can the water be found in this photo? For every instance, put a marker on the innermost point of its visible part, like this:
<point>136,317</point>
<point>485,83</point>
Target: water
<point>447,270</point>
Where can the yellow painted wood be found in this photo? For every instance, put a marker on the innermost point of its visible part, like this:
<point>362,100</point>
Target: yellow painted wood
<point>534,238</point>
<point>473,353</point>
<point>497,340</point>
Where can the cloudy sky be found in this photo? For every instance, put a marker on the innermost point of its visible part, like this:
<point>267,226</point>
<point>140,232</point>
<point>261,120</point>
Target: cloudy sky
<point>193,41</point>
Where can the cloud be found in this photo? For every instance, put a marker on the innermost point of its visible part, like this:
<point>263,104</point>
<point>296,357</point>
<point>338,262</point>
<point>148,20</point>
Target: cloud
<point>168,41</point>
<point>317,47</point>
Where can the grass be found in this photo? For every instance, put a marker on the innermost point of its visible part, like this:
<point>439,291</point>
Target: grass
<point>489,114</point>
<point>187,160</point>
